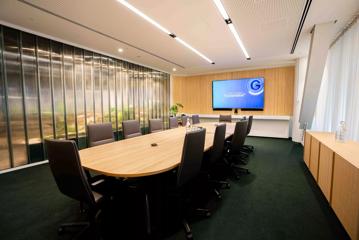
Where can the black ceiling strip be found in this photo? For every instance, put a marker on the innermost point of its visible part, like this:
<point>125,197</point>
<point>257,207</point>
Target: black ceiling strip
<point>301,23</point>
<point>98,32</point>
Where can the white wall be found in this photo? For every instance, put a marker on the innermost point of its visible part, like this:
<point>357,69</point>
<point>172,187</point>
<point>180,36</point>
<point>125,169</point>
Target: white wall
<point>322,36</point>
<point>300,72</point>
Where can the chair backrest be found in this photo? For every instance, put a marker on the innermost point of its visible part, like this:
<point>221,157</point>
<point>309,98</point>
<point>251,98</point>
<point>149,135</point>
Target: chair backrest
<point>239,135</point>
<point>184,120</point>
<point>195,119</point>
<point>218,143</point>
<point>249,127</point>
<point>192,154</point>
<point>155,125</point>
<point>100,133</point>
<point>131,128</point>
<point>225,118</point>
<point>66,168</point>
<point>173,122</point>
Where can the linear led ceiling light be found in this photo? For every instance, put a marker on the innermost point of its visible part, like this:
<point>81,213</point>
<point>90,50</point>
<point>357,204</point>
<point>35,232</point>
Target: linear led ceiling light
<point>228,21</point>
<point>163,29</point>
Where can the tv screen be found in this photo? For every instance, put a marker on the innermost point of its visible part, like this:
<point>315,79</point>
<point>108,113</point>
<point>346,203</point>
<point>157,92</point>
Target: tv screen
<point>245,93</point>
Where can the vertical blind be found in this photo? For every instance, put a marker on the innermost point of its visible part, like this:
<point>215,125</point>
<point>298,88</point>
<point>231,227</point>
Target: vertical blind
<point>338,98</point>
<point>52,90</point>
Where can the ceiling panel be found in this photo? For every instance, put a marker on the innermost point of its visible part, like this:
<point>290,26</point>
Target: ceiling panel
<point>267,28</point>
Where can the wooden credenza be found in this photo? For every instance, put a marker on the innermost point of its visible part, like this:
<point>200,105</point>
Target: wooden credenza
<point>335,167</point>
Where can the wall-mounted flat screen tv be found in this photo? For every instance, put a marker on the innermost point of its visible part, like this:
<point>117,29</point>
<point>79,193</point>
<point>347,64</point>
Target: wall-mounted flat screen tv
<point>244,93</point>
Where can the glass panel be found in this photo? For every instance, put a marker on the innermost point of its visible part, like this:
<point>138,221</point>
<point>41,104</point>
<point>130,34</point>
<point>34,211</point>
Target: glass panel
<point>57,86</point>
<point>14,90</point>
<point>69,91</point>
<point>96,65</point>
<point>119,92</point>
<point>45,87</point>
<point>150,94</point>
<point>167,101</point>
<point>158,95</point>
<point>125,91</point>
<point>130,88</point>
<point>135,93</point>
<point>105,90</point>
<point>4,150</point>
<point>145,97</point>
<point>80,96</point>
<point>30,83</point>
<point>89,93</point>
<point>163,93</point>
<point>112,92</point>
<point>141,97</point>
<point>62,88</point>
<point>155,83</point>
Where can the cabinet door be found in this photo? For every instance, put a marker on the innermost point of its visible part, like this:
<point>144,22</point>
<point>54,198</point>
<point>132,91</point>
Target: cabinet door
<point>345,195</point>
<point>325,175</point>
<point>314,157</point>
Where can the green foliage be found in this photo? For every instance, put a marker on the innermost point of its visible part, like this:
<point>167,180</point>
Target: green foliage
<point>174,109</point>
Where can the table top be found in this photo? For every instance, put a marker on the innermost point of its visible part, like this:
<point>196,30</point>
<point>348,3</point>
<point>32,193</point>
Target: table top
<point>135,157</point>
<point>349,150</point>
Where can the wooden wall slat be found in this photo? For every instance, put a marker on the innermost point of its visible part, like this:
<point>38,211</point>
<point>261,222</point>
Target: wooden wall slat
<point>195,92</point>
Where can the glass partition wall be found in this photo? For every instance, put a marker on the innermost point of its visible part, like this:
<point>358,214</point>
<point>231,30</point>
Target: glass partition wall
<point>53,90</point>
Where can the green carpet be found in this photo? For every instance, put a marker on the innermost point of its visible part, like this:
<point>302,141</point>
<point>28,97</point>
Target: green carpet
<point>278,200</point>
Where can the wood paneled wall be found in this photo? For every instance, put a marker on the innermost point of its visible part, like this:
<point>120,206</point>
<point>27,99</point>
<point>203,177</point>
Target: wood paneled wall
<point>195,92</point>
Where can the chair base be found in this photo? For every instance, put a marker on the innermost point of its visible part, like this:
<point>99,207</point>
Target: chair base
<point>187,229</point>
<point>237,171</point>
<point>203,212</point>
<point>248,148</point>
<point>221,184</point>
<point>63,227</point>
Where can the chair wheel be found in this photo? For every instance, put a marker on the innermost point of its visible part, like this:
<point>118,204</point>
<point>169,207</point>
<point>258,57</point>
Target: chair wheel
<point>60,230</point>
<point>189,236</point>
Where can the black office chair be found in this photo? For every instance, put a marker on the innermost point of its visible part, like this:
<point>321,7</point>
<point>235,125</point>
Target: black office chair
<point>71,180</point>
<point>211,161</point>
<point>188,170</point>
<point>131,128</point>
<point>225,118</point>
<point>155,125</point>
<point>184,120</point>
<point>195,119</point>
<point>233,151</point>
<point>99,133</point>
<point>173,122</point>
<point>249,148</point>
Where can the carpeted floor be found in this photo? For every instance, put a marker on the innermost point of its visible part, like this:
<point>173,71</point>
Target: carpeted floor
<point>278,200</point>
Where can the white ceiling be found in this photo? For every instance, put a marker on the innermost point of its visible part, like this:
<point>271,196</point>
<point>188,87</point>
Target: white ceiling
<point>267,29</point>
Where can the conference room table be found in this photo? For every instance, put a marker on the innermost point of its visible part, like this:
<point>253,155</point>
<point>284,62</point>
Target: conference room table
<point>137,157</point>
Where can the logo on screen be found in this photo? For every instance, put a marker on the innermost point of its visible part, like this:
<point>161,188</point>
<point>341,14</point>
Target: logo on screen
<point>255,86</point>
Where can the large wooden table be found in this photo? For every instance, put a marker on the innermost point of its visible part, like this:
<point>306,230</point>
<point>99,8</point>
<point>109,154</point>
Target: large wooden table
<point>135,157</point>
<point>335,167</point>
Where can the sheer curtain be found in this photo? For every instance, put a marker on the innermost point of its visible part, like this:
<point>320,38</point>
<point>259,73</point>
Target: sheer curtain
<point>339,93</point>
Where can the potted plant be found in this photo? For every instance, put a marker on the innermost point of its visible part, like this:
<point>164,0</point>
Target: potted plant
<point>174,109</point>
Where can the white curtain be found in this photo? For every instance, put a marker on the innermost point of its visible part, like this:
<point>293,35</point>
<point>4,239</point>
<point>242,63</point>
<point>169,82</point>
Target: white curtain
<point>339,93</point>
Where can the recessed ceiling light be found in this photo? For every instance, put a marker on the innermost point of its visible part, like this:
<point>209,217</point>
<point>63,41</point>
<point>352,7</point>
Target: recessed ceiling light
<point>174,69</point>
<point>120,50</point>
<point>163,29</point>
<point>228,21</point>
